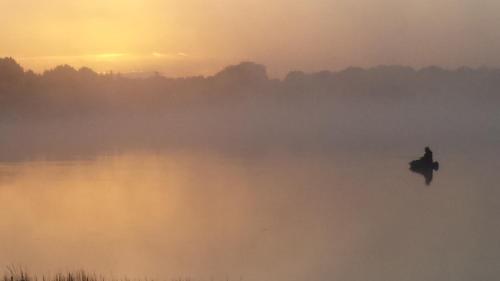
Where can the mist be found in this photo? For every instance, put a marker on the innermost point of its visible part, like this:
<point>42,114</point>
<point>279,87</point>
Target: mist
<point>222,177</point>
<point>240,107</point>
<point>249,140</point>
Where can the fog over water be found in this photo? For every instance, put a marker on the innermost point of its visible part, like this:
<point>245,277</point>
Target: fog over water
<point>237,176</point>
<point>77,111</point>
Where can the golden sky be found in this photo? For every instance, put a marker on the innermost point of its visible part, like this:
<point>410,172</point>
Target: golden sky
<point>189,37</point>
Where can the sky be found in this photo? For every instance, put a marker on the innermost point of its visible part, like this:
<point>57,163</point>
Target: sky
<point>199,37</point>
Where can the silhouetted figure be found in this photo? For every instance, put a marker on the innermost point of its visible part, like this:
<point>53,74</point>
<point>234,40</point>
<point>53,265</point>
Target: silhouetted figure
<point>427,155</point>
<point>425,166</point>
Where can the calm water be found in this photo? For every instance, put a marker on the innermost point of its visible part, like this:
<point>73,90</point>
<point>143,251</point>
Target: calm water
<point>274,216</point>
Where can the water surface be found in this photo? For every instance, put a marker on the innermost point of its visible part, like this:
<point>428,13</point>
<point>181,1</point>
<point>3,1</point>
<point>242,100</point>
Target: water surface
<point>280,216</point>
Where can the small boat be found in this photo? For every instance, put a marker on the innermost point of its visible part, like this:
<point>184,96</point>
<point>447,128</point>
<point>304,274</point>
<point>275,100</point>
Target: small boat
<point>425,166</point>
<point>421,165</point>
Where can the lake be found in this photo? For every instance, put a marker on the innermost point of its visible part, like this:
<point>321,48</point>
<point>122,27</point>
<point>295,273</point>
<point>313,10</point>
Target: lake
<point>277,214</point>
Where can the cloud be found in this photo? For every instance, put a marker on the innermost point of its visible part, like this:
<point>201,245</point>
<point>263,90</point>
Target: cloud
<point>99,56</point>
<point>169,55</point>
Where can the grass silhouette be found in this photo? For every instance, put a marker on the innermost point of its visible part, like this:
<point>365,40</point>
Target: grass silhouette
<point>19,274</point>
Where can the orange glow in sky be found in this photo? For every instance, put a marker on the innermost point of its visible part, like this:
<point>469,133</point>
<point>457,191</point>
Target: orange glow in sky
<point>191,37</point>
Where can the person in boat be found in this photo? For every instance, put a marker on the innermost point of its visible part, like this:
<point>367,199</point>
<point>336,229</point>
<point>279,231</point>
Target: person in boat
<point>425,165</point>
<point>427,158</point>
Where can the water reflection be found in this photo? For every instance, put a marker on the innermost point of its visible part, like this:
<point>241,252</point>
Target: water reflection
<point>278,217</point>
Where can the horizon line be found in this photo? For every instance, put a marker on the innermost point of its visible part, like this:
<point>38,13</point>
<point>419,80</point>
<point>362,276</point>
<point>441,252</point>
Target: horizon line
<point>154,73</point>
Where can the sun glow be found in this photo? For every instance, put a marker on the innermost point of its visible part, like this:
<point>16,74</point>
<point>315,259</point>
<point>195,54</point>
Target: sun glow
<point>103,62</point>
<point>109,56</point>
<point>155,35</point>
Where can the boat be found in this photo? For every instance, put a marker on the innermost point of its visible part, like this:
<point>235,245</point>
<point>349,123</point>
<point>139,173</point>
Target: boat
<point>421,165</point>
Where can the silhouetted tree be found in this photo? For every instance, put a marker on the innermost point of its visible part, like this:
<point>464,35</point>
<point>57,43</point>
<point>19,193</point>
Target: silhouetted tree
<point>10,71</point>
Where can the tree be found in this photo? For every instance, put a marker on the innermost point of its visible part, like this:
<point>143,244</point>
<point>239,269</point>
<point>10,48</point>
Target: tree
<point>10,71</point>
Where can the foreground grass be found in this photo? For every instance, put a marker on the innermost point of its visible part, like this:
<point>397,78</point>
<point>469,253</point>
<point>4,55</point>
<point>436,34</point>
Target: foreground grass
<point>16,274</point>
<point>22,275</point>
